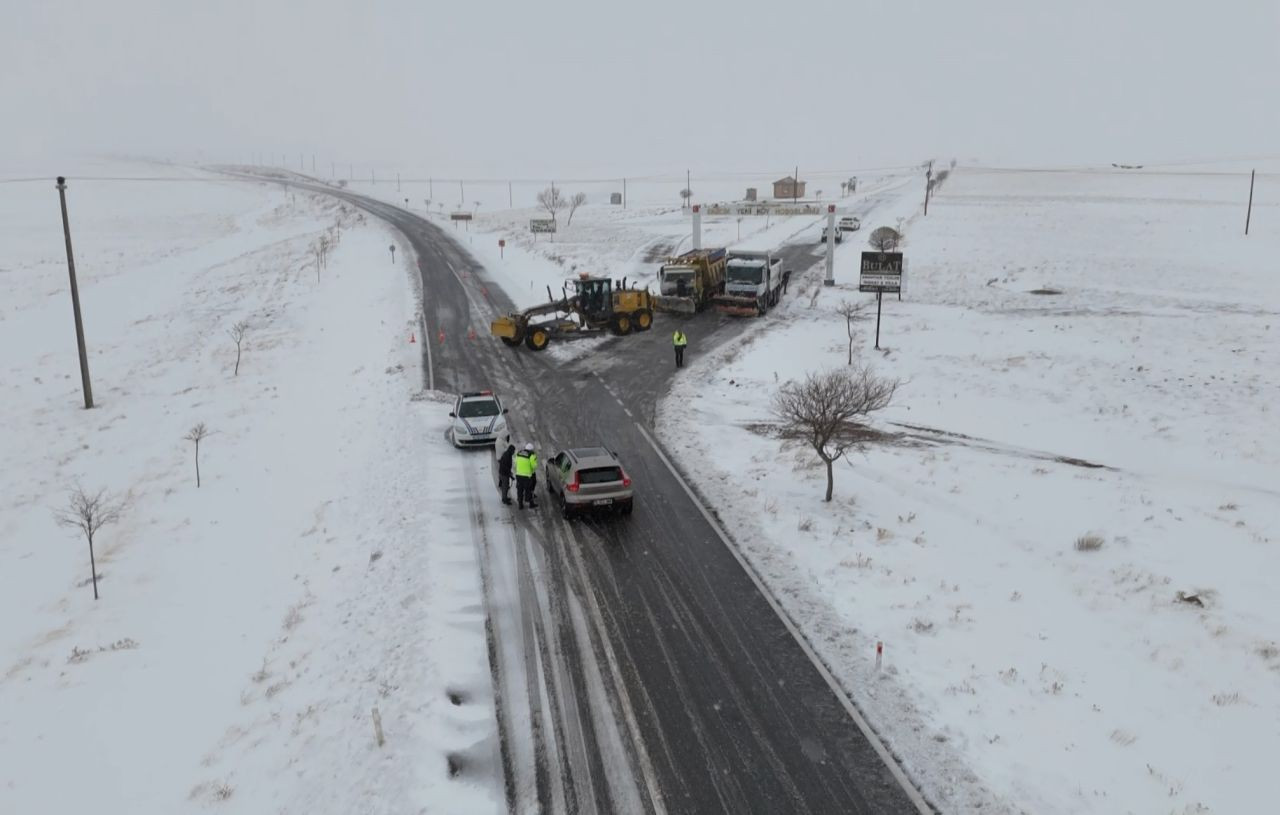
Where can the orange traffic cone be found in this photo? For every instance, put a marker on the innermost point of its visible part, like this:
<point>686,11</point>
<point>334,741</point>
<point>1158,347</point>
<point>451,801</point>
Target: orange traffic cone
<point>412,338</point>
<point>441,336</point>
<point>471,333</point>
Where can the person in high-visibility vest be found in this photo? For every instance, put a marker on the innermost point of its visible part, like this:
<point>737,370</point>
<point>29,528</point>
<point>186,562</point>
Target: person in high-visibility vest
<point>679,341</point>
<point>526,470</point>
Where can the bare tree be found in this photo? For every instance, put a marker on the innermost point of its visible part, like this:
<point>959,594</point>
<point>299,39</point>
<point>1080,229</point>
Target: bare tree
<point>885,239</point>
<point>577,200</point>
<point>89,513</point>
<point>823,409</point>
<point>237,334</point>
<point>685,195</point>
<point>197,434</point>
<point>552,200</point>
<point>851,312</point>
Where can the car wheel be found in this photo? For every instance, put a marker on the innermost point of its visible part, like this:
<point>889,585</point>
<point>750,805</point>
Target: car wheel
<point>625,509</point>
<point>564,509</point>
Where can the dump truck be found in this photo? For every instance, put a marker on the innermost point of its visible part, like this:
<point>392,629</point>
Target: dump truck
<point>596,305</point>
<point>753,283</point>
<point>688,282</point>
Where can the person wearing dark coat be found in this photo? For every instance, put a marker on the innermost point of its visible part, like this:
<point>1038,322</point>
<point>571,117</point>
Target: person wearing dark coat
<point>504,473</point>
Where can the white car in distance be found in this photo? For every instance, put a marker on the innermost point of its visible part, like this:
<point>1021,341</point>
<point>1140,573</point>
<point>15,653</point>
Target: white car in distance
<point>479,420</point>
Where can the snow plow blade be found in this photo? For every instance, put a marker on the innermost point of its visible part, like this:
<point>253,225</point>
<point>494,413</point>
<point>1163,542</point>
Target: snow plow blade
<point>737,306</point>
<point>675,305</point>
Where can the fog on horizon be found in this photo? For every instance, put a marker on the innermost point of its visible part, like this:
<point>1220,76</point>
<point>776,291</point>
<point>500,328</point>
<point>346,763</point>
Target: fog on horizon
<point>586,89</point>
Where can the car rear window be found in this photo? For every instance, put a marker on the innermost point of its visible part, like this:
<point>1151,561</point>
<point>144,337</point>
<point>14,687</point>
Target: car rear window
<point>599,475</point>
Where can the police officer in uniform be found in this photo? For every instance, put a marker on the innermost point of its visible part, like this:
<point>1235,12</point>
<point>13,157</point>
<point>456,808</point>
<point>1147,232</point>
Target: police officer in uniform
<point>679,341</point>
<point>505,463</point>
<point>526,470</point>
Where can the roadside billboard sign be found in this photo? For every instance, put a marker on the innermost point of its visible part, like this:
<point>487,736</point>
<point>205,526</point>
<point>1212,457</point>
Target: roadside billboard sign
<point>542,224</point>
<point>880,272</point>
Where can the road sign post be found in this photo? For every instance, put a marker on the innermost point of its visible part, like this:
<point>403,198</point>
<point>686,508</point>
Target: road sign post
<point>392,247</point>
<point>502,248</point>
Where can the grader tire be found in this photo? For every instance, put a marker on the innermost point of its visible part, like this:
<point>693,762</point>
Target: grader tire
<point>644,319</point>
<point>622,325</point>
<point>538,340</point>
<point>510,342</point>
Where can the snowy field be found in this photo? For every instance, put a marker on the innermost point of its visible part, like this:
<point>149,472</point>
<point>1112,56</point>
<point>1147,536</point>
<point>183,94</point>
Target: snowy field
<point>247,628</point>
<point>1132,399</point>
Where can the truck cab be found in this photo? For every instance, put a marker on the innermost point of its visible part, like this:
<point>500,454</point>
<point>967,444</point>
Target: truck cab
<point>677,280</point>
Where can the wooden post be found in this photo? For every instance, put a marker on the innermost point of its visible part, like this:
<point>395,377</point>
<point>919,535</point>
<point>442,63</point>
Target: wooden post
<point>377,727</point>
<point>1249,212</point>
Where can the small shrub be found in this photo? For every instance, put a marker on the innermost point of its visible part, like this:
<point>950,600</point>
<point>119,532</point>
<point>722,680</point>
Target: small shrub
<point>1089,543</point>
<point>806,525</point>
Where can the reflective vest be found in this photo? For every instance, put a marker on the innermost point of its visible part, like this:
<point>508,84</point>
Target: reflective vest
<point>526,463</point>
<point>679,340</point>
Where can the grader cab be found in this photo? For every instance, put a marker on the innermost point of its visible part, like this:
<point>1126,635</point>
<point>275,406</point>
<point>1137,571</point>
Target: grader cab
<point>595,306</point>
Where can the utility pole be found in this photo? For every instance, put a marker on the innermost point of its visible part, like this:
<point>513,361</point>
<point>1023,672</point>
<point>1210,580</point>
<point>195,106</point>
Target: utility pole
<point>75,297</point>
<point>795,186</point>
<point>688,185</point>
<point>397,182</point>
<point>462,194</point>
<point>510,197</point>
<point>1249,212</point>
<point>431,189</point>
<point>928,186</point>
<point>624,193</point>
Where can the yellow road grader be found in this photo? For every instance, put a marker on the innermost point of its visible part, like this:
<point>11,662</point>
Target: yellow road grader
<point>595,306</point>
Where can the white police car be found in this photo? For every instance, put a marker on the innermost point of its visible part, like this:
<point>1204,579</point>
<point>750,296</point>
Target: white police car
<point>479,420</point>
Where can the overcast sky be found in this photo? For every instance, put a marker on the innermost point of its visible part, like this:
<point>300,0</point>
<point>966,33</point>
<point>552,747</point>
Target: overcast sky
<point>538,89</point>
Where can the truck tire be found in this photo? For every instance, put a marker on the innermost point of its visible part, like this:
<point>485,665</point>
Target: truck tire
<point>622,325</point>
<point>510,342</point>
<point>644,319</point>
<point>537,340</point>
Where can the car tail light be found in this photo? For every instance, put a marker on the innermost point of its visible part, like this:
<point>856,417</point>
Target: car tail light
<point>574,486</point>
<point>626,479</point>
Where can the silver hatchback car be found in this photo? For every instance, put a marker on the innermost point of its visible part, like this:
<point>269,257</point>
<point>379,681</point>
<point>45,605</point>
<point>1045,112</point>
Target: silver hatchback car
<point>587,479</point>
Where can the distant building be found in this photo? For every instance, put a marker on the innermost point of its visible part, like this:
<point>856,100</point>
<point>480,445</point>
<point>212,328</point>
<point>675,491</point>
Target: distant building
<point>788,188</point>
<point>615,198</point>
<point>751,194</point>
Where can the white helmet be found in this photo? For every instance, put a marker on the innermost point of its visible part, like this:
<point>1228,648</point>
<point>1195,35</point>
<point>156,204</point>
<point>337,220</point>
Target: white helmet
<point>528,445</point>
